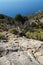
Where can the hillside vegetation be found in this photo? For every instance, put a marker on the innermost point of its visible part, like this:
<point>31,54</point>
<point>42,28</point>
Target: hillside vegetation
<point>30,26</point>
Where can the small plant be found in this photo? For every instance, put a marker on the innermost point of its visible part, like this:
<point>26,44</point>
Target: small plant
<point>28,35</point>
<point>13,31</point>
<point>2,36</point>
<point>38,35</point>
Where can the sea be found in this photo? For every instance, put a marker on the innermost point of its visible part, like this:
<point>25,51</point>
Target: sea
<point>23,7</point>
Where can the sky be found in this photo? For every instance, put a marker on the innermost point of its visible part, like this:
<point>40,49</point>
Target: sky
<point>24,7</point>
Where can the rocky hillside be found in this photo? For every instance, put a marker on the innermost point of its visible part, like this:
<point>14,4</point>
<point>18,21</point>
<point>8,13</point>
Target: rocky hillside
<point>29,22</point>
<point>21,39</point>
<point>30,26</point>
<point>20,51</point>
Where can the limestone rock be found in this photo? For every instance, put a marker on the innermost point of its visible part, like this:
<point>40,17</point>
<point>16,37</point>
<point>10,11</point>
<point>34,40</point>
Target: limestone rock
<point>21,51</point>
<point>18,58</point>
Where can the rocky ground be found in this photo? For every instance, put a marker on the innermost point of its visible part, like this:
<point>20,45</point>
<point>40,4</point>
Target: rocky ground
<point>21,51</point>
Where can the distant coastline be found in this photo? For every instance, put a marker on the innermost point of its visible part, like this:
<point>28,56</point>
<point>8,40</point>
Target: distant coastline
<point>23,7</point>
<point>38,11</point>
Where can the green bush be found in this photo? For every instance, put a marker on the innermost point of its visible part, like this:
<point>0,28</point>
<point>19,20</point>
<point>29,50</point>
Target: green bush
<point>35,35</point>
<point>2,36</point>
<point>21,18</point>
<point>41,36</point>
<point>28,35</point>
<point>13,31</point>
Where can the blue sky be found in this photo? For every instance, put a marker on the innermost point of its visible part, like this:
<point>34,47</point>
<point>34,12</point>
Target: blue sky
<point>24,7</point>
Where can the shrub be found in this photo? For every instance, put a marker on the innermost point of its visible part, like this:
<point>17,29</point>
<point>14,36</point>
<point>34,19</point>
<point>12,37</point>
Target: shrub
<point>13,31</point>
<point>2,36</point>
<point>35,35</point>
<point>41,36</point>
<point>21,18</point>
<point>28,35</point>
